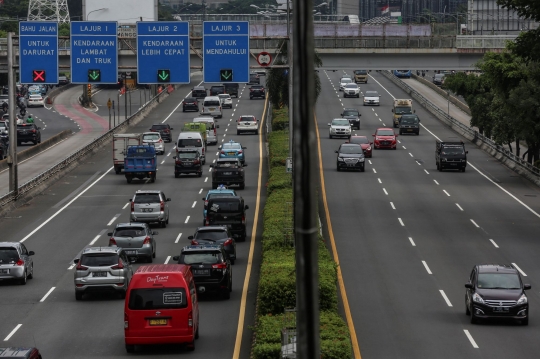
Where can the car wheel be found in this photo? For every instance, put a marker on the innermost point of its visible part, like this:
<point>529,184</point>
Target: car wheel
<point>19,143</point>
<point>183,110</point>
<point>163,224</point>
<point>153,253</point>
<point>401,133</point>
<point>395,148</point>
<point>199,174</point>
<point>130,348</point>
<point>330,136</point>
<point>118,171</point>
<point>463,169</point>
<point>467,311</point>
<point>153,179</point>
<point>474,319</point>
<point>167,221</point>
<point>129,179</point>
<point>176,175</point>
<point>123,294</point>
<point>227,294</point>
<point>24,279</point>
<point>197,332</point>
<point>232,261</point>
<point>439,167</point>
<point>149,259</point>
<point>237,132</point>
<point>35,142</point>
<point>525,321</point>
<point>214,185</point>
<point>256,132</point>
<point>337,167</point>
<point>78,295</point>
<point>191,346</point>
<point>363,169</point>
<point>242,185</point>
<point>31,275</point>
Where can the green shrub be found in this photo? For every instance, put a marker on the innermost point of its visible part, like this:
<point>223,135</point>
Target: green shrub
<point>278,179</point>
<point>278,147</point>
<point>280,119</point>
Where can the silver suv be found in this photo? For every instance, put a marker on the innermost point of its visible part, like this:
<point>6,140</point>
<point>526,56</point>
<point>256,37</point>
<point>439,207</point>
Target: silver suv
<point>150,207</point>
<point>16,262</point>
<point>102,269</point>
<point>137,240</point>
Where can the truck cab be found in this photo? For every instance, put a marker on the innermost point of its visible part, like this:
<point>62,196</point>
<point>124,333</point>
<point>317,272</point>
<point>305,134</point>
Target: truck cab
<point>450,155</point>
<point>401,107</point>
<point>140,162</point>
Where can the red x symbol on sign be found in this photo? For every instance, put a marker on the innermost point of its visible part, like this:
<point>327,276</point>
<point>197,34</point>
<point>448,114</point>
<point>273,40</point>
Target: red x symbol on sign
<point>39,76</point>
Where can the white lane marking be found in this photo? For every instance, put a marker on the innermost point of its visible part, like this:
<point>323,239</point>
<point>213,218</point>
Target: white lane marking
<point>458,206</point>
<point>401,222</point>
<point>448,194</point>
<point>495,244</point>
<point>95,239</point>
<point>370,162</point>
<point>200,191</point>
<point>378,179</point>
<point>206,179</point>
<point>187,219</point>
<point>470,338</point>
<point>437,183</point>
<point>217,153</point>
<point>12,332</point>
<point>398,141</point>
<point>167,260</point>
<point>412,242</point>
<point>162,162</point>
<point>71,266</point>
<point>214,161</point>
<point>445,298</point>
<point>127,204</point>
<point>519,269</point>
<point>61,209</point>
<point>411,154</point>
<point>380,120</point>
<point>427,268</point>
<point>392,204</point>
<point>46,295</point>
<point>418,163</point>
<point>224,135</point>
<point>404,147</point>
<point>226,129</point>
<point>113,219</point>
<point>194,203</point>
<point>374,170</point>
<point>168,154</point>
<point>209,170</point>
<point>178,238</point>
<point>426,171</point>
<point>386,193</point>
<point>473,222</point>
<point>384,124</point>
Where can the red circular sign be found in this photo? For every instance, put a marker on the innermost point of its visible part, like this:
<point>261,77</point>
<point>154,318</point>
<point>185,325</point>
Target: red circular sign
<point>264,58</point>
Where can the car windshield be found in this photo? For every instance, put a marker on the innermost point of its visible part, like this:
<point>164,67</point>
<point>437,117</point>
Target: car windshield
<point>232,146</point>
<point>215,235</point>
<point>157,298</point>
<point>350,113</point>
<point>439,76</point>
<point>187,155</point>
<point>210,257</point>
<point>340,123</point>
<point>359,139</point>
<point>498,281</point>
<point>402,110</point>
<point>351,149</point>
<point>227,164</point>
<point>346,81</point>
<point>187,142</point>
<point>385,133</point>
<point>147,198</point>
<point>351,86</point>
<point>360,72</point>
<point>247,118</point>
<point>8,255</point>
<point>129,232</point>
<point>409,121</point>
<point>151,137</point>
<point>372,94</point>
<point>99,260</point>
<point>453,150</point>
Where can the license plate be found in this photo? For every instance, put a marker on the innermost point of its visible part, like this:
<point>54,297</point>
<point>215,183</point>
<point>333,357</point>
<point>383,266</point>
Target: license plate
<point>4,271</point>
<point>212,109</point>
<point>453,164</point>
<point>201,272</point>
<point>410,130</point>
<point>99,274</point>
<point>231,153</point>
<point>501,309</point>
<point>227,173</point>
<point>131,253</point>
<point>147,209</point>
<point>158,321</point>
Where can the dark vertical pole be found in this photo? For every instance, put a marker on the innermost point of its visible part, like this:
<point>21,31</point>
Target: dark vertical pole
<point>304,183</point>
<point>12,103</point>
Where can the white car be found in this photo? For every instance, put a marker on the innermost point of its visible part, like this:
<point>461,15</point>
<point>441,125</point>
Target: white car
<point>344,81</point>
<point>340,127</point>
<point>226,100</point>
<point>351,90</point>
<point>247,123</point>
<point>154,138</point>
<point>371,98</point>
<point>35,100</point>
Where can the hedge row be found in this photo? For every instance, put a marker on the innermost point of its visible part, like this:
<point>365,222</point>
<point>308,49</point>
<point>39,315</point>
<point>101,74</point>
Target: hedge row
<point>277,283</point>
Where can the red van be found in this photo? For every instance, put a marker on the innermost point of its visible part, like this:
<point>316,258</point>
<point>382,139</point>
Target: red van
<point>161,307</point>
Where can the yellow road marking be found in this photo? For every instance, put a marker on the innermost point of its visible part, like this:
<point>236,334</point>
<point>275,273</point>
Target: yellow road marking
<point>241,316</point>
<point>354,340</point>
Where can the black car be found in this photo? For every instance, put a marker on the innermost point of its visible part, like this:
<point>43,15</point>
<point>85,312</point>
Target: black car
<point>187,160</point>
<point>231,89</point>
<point>257,91</point>
<point>496,291</point>
<point>450,155</point>
<point>28,132</point>
<point>254,79</point>
<point>216,90</point>
<point>350,156</point>
<point>228,171</point>
<point>164,130</point>
<point>211,268</point>
<point>4,145</point>
<point>228,211</point>
<point>409,123</point>
<point>353,116</point>
<point>438,79</point>
<point>199,92</point>
<point>190,104</point>
<point>216,235</point>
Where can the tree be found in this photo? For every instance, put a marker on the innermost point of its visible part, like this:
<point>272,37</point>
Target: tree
<point>527,44</point>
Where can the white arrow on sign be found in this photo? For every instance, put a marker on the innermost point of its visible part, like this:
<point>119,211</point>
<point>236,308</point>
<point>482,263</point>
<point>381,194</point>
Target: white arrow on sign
<point>264,59</point>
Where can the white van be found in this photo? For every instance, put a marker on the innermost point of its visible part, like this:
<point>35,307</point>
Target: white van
<point>192,139</point>
<point>212,107</point>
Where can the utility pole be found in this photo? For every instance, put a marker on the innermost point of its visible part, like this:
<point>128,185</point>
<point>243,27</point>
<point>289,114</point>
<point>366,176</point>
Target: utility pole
<point>290,78</point>
<point>12,105</point>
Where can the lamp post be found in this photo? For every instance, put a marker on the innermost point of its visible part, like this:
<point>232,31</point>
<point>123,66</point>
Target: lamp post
<point>88,15</point>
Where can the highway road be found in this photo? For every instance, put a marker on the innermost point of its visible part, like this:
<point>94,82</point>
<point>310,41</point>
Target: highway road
<point>88,202</point>
<point>407,237</point>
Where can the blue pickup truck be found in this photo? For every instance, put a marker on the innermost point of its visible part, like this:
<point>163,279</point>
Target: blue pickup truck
<point>140,162</point>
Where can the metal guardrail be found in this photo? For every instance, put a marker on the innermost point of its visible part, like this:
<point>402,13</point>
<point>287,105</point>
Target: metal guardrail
<point>465,131</point>
<point>71,158</point>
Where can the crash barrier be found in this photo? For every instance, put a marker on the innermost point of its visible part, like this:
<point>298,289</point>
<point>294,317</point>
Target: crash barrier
<point>508,158</point>
<point>457,102</point>
<point>34,150</point>
<point>49,99</point>
<point>36,185</point>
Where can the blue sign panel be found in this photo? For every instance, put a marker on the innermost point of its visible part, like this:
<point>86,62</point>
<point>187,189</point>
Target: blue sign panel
<point>38,52</point>
<point>163,52</point>
<point>94,52</point>
<point>226,51</point>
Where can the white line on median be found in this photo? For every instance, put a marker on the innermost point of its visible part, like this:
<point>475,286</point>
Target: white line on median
<point>426,171</point>
<point>473,222</point>
<point>369,162</point>
<point>378,179</point>
<point>445,298</point>
<point>200,191</point>
<point>519,269</point>
<point>374,170</point>
<point>495,244</point>
<point>470,338</point>
<point>411,154</point>
<point>427,268</point>
<point>412,242</point>
<point>162,162</point>
<point>206,179</point>
<point>46,295</point>
<point>178,238</point>
<point>12,332</point>
<point>404,147</point>
<point>127,204</point>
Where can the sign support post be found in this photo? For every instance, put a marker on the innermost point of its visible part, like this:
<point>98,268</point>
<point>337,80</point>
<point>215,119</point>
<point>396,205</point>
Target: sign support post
<point>12,157</point>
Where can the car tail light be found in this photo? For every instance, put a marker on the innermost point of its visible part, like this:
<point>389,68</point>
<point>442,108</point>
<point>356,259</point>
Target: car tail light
<point>196,162</point>
<point>120,265</point>
<point>222,152</point>
<point>239,152</point>
<point>219,266</point>
<point>207,221</point>
<point>251,90</point>
<point>80,266</point>
<point>33,131</point>
<point>166,130</point>
<point>205,202</point>
<point>190,319</point>
<point>126,321</point>
<point>160,140</point>
<point>228,242</point>
<point>162,206</point>
<point>194,242</point>
<point>112,242</point>
<point>20,262</point>
<point>215,131</point>
<point>132,206</point>
<point>243,219</point>
<point>146,240</point>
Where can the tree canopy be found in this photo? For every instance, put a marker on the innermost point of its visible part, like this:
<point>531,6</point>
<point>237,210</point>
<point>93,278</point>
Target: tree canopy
<point>527,44</point>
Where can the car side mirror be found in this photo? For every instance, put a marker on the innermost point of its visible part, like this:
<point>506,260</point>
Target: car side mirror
<point>190,237</point>
<point>176,258</point>
<point>219,147</point>
<point>244,148</point>
<point>171,128</point>
<point>526,286</point>
<point>329,125</point>
<point>336,151</point>
<point>131,199</point>
<point>414,111</point>
<point>110,234</point>
<point>174,157</point>
<point>392,110</point>
<point>371,143</point>
<point>76,260</point>
<point>468,285</point>
<point>217,126</point>
<point>244,165</point>
<point>341,114</point>
<point>373,135</point>
<point>31,253</point>
<point>466,152</point>
<point>211,166</point>
<point>395,135</point>
<point>155,233</point>
<point>39,128</point>
<point>246,207</point>
<point>168,199</point>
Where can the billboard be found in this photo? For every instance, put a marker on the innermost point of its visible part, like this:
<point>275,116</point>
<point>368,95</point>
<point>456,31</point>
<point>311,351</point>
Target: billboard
<point>122,11</point>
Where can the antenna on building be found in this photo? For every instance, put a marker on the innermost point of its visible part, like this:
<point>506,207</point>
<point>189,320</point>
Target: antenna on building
<point>48,10</point>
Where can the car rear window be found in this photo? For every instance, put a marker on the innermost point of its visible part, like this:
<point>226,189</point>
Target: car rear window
<point>186,142</point>
<point>211,103</point>
<point>187,155</point>
<point>201,257</point>
<point>359,139</point>
<point>147,198</point>
<point>232,146</point>
<point>151,137</point>
<point>129,232</point>
<point>8,255</point>
<point>157,298</point>
<point>191,99</point>
<point>385,133</point>
<point>350,113</point>
<point>247,118</point>
<point>159,127</point>
<point>24,126</point>
<point>223,205</point>
<point>99,260</point>
<point>211,234</point>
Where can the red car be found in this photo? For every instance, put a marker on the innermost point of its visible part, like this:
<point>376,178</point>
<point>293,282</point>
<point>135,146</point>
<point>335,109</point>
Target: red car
<point>364,142</point>
<point>385,138</point>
